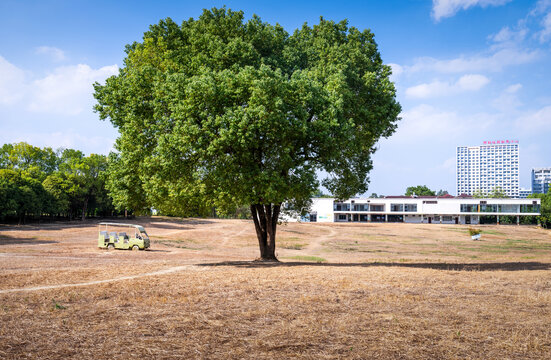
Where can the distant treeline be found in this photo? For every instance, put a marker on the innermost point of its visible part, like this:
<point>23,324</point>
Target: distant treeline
<point>37,182</point>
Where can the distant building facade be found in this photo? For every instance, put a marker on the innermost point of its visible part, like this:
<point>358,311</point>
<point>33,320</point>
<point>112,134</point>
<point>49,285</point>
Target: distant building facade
<point>495,164</point>
<point>524,193</point>
<point>541,177</point>
<point>423,209</point>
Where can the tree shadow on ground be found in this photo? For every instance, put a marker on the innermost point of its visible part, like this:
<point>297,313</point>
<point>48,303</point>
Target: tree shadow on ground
<point>9,240</point>
<point>159,225</point>
<point>48,226</point>
<point>507,266</point>
<point>181,221</point>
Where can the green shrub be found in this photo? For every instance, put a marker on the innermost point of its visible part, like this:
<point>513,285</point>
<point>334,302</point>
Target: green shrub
<point>473,231</point>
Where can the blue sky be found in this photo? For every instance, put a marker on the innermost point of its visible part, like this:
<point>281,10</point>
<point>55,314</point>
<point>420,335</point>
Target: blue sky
<point>466,71</point>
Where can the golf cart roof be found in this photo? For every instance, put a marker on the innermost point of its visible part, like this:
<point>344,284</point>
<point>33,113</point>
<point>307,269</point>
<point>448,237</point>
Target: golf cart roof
<point>139,227</point>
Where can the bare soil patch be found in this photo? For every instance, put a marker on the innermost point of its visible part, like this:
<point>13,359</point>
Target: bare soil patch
<point>392,291</point>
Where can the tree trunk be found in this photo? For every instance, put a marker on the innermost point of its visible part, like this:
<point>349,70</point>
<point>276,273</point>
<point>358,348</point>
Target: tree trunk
<point>265,222</point>
<point>84,208</point>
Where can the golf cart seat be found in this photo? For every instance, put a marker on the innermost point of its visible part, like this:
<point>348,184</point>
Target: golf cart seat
<point>105,236</point>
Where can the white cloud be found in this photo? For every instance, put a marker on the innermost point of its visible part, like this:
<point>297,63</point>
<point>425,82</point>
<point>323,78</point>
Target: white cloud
<point>470,82</point>
<point>52,52</point>
<point>544,34</point>
<point>508,101</point>
<point>66,139</point>
<point>427,123</point>
<point>449,164</point>
<point>511,89</point>
<point>423,91</point>
<point>508,35</point>
<point>540,8</point>
<point>397,70</point>
<point>448,8</point>
<point>494,62</point>
<point>12,82</point>
<point>535,121</point>
<point>68,90</point>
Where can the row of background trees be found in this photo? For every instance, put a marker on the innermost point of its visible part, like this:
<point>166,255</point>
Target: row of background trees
<point>64,183</point>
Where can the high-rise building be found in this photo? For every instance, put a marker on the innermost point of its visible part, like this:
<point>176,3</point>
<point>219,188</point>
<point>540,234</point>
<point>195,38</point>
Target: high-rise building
<point>524,193</point>
<point>484,168</point>
<point>541,177</point>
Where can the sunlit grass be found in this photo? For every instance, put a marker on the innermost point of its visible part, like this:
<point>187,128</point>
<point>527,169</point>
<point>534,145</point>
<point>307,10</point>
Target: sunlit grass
<point>306,258</point>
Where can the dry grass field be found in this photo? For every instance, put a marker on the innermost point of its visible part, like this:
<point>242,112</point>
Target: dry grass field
<point>390,291</point>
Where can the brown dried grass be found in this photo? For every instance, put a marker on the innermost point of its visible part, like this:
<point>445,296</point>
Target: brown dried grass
<point>386,296</point>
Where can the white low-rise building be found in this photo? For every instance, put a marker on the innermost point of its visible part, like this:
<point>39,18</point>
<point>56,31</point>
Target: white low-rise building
<point>423,209</point>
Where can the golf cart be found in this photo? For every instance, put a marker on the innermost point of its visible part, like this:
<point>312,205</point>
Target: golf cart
<point>122,236</point>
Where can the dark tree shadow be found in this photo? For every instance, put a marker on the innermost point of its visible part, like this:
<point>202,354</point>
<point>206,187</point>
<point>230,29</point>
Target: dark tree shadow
<point>186,221</point>
<point>9,240</point>
<point>164,226</point>
<point>164,223</point>
<point>507,266</point>
<point>48,226</point>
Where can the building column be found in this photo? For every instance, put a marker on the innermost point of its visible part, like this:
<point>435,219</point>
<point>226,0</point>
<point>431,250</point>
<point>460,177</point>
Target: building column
<point>498,219</point>
<point>518,220</point>
<point>386,218</point>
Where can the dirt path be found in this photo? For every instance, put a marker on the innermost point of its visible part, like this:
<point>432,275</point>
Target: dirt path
<point>317,243</point>
<point>130,277</point>
<point>226,238</point>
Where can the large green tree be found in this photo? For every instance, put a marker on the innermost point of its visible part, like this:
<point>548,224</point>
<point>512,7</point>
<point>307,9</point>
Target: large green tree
<point>222,112</point>
<point>545,210</point>
<point>419,190</point>
<point>35,161</point>
<point>21,194</point>
<point>496,193</point>
<point>39,181</point>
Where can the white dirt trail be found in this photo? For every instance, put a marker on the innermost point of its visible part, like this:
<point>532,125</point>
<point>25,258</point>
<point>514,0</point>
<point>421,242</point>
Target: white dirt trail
<point>228,237</point>
<point>122,278</point>
<point>317,243</point>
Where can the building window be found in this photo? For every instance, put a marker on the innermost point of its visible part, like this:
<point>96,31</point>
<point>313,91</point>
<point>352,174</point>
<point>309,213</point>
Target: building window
<point>376,207</point>
<point>488,208</point>
<point>341,207</point>
<point>410,207</point>
<point>530,208</point>
<point>469,208</point>
<point>396,207</point>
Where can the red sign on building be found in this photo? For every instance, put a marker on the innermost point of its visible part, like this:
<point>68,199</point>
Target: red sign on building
<point>498,142</point>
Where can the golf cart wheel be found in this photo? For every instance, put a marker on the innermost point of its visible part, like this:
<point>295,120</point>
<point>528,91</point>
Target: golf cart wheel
<point>110,247</point>
<point>135,247</point>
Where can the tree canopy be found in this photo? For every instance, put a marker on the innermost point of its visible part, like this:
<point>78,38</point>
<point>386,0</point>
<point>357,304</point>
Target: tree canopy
<point>419,190</point>
<point>496,193</point>
<point>545,210</point>
<point>223,112</point>
<point>37,181</point>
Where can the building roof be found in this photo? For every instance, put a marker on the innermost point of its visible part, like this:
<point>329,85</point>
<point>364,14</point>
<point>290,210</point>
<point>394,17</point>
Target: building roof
<point>447,196</point>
